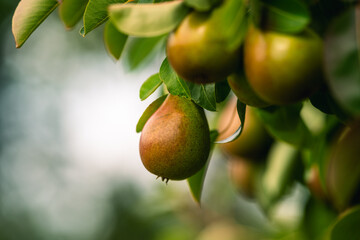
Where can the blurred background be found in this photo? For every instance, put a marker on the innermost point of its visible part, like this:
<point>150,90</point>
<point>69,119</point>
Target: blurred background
<point>69,161</point>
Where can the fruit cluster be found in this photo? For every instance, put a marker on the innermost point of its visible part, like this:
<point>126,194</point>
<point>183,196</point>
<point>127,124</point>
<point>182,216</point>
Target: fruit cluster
<point>293,68</point>
<point>270,71</point>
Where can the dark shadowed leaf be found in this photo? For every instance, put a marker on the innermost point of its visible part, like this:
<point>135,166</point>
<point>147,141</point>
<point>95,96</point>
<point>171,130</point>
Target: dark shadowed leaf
<point>28,15</point>
<point>149,86</point>
<point>149,111</point>
<point>325,102</point>
<point>347,226</point>
<point>114,40</point>
<point>222,90</point>
<point>342,60</point>
<point>174,84</point>
<point>285,123</point>
<point>196,182</point>
<point>203,95</point>
<point>96,14</point>
<point>147,20</point>
<point>71,11</point>
<point>281,15</point>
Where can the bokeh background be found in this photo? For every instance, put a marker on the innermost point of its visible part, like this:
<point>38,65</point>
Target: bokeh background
<point>69,162</point>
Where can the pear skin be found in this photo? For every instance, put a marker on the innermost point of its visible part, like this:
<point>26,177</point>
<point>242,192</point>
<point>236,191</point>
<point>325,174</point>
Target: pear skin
<point>283,68</point>
<point>175,141</point>
<point>198,50</point>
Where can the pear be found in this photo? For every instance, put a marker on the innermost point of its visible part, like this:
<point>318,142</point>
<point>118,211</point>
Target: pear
<point>175,141</point>
<point>243,175</point>
<point>199,49</point>
<point>283,68</point>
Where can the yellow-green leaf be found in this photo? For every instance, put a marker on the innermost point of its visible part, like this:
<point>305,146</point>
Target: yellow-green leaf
<point>147,20</point>
<point>28,15</point>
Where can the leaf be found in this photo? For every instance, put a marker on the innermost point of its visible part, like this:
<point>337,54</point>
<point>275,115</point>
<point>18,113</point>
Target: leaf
<point>149,111</point>
<point>149,86</point>
<point>196,182</point>
<point>222,90</point>
<point>96,14</point>
<point>241,109</point>
<point>325,102</point>
<point>322,141</point>
<point>203,95</point>
<point>174,84</point>
<point>71,11</point>
<point>29,14</point>
<point>114,40</point>
<point>282,163</point>
<point>232,14</point>
<point>347,226</point>
<point>147,20</point>
<point>285,123</point>
<point>318,217</point>
<point>342,60</point>
<point>202,5</point>
<point>281,15</point>
<point>140,49</point>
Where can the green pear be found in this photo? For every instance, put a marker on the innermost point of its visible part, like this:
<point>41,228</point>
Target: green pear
<point>283,68</point>
<point>175,141</point>
<point>244,92</point>
<point>198,50</point>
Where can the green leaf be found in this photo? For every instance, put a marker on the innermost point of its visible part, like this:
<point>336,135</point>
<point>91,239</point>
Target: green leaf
<point>196,182</point>
<point>282,163</point>
<point>285,123</point>
<point>203,95</point>
<point>174,84</point>
<point>114,40</point>
<point>147,20</point>
<point>29,14</point>
<point>149,86</point>
<point>222,90</point>
<point>317,219</point>
<point>138,50</point>
<point>232,14</point>
<point>342,61</point>
<point>319,150</point>
<point>96,14</point>
<point>149,111</point>
<point>325,102</point>
<point>241,109</point>
<point>347,226</point>
<point>71,11</point>
<point>202,5</point>
<point>289,16</point>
